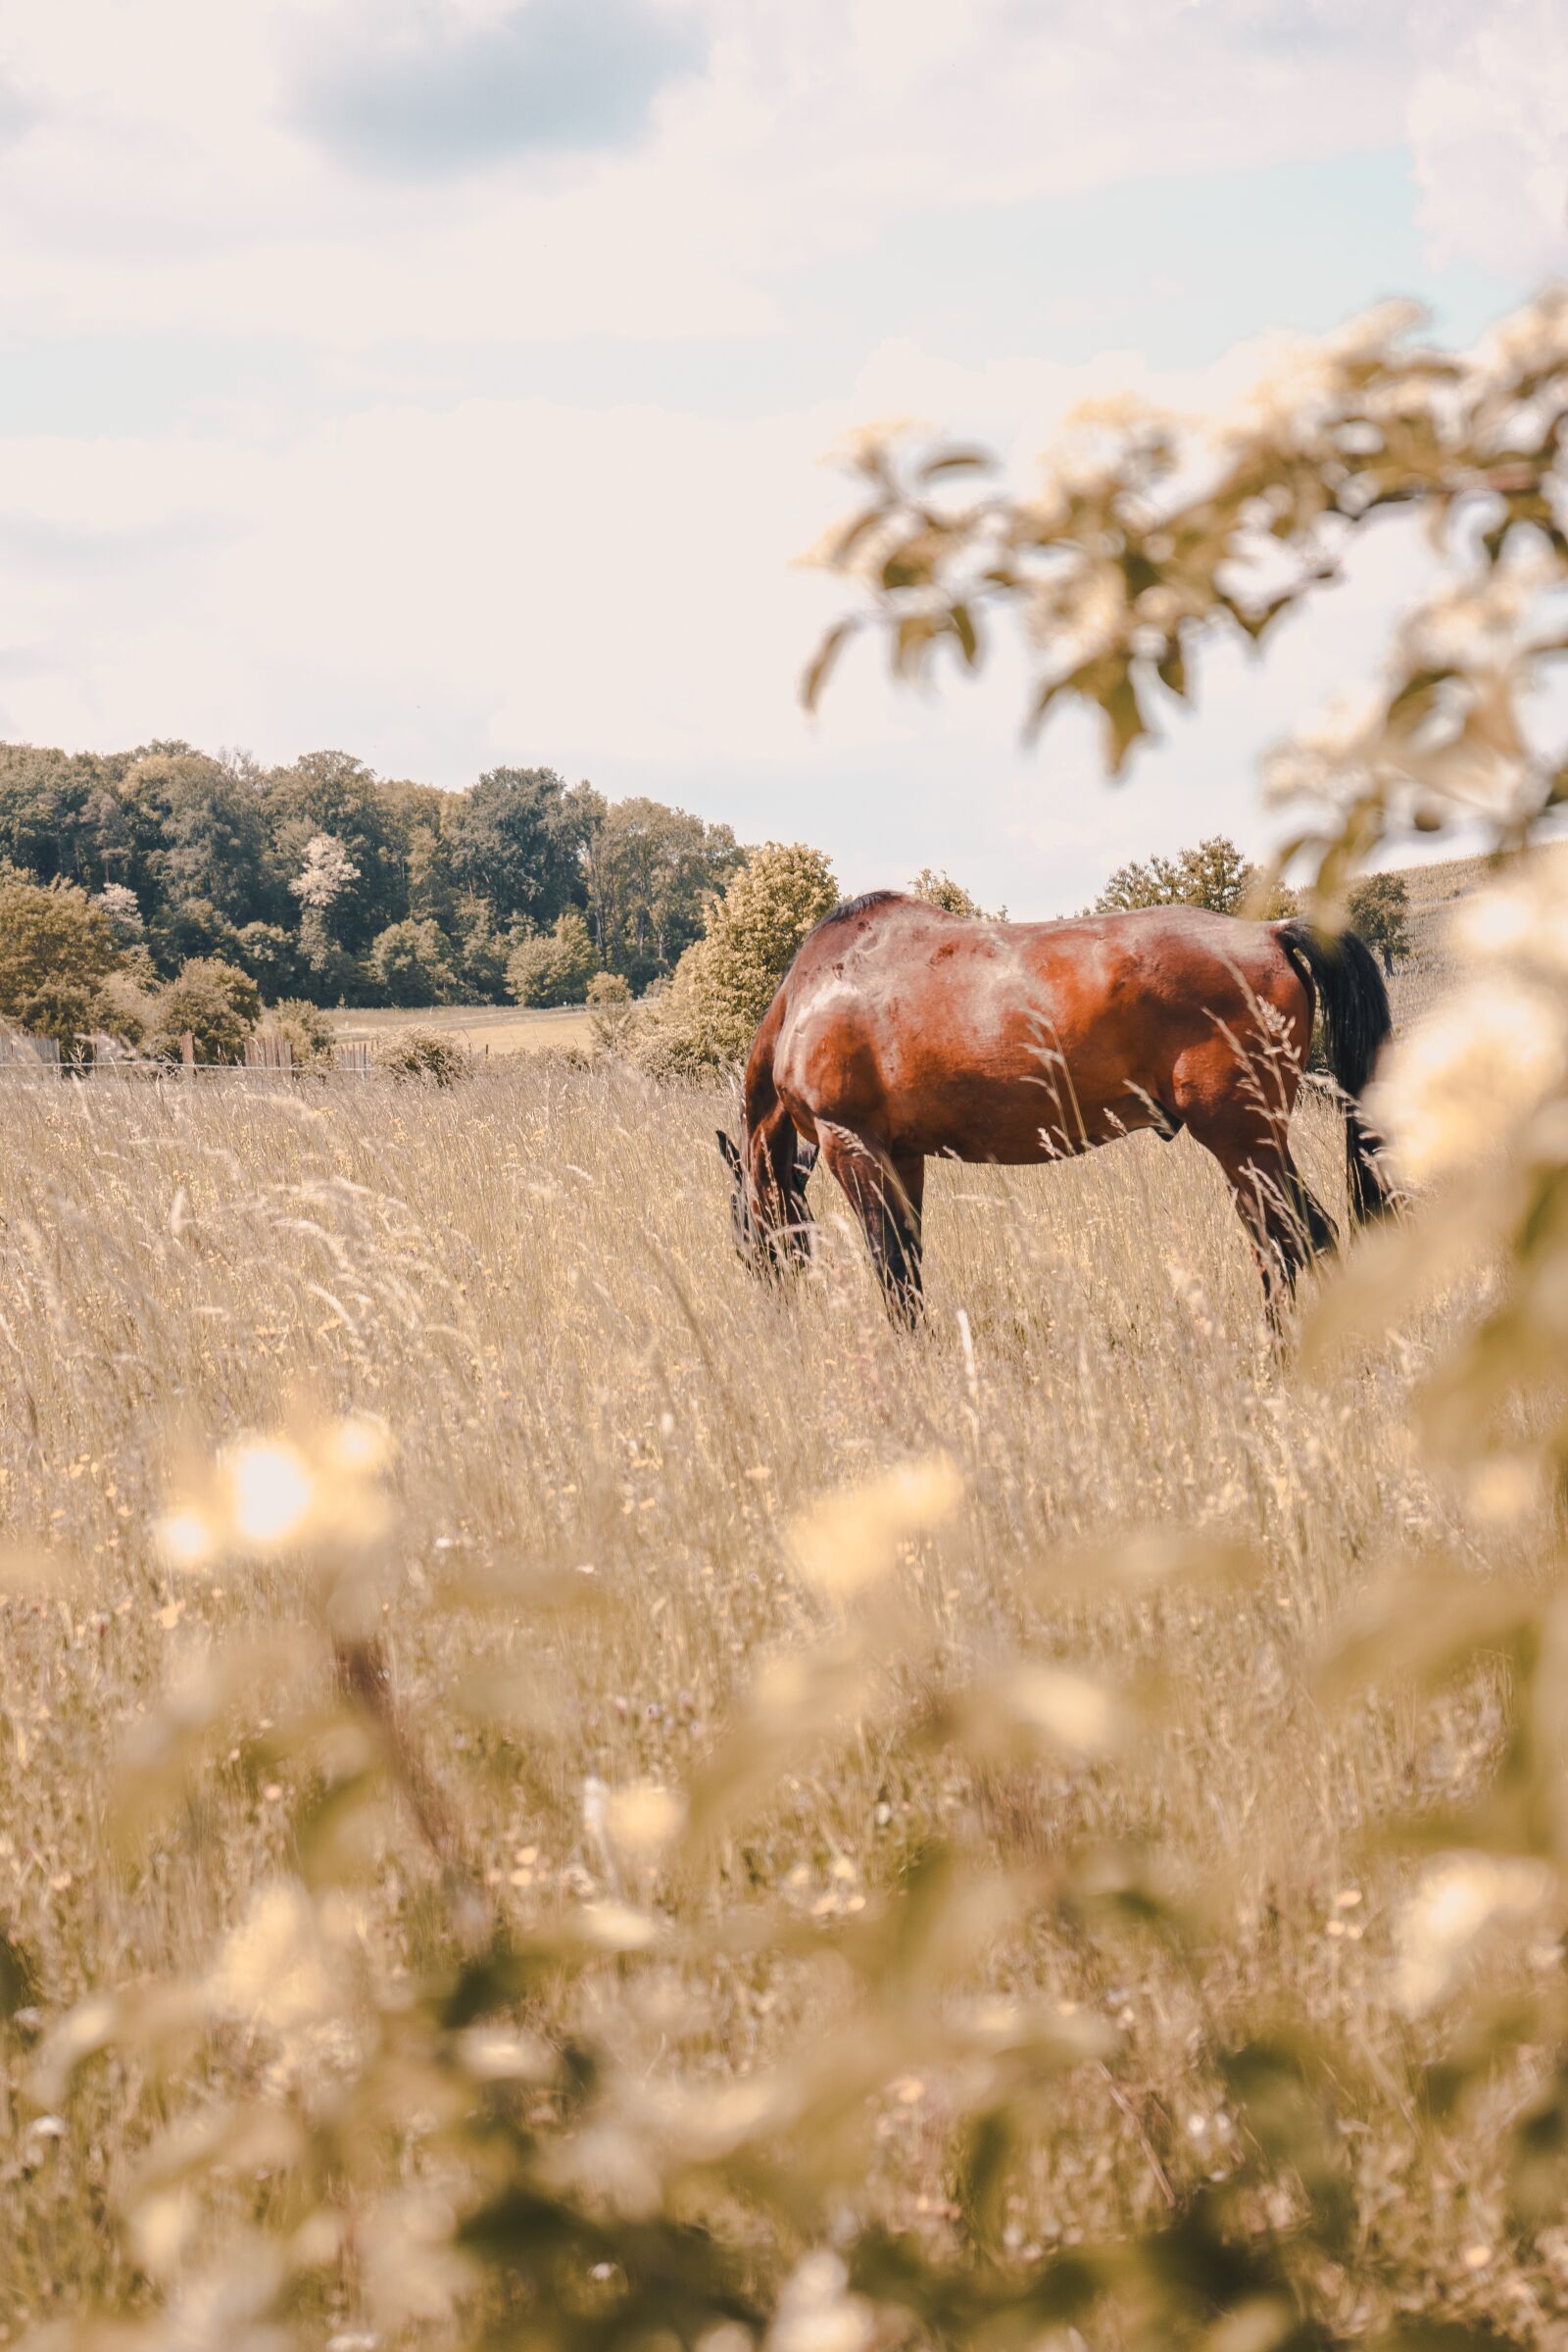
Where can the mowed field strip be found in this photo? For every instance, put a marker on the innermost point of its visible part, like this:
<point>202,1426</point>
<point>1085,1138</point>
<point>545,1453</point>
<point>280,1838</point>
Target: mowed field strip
<point>485,1029</point>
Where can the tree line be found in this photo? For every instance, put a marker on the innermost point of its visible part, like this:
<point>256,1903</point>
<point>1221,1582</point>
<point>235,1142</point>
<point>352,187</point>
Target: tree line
<point>1214,873</point>
<point>163,894</point>
<point>325,883</point>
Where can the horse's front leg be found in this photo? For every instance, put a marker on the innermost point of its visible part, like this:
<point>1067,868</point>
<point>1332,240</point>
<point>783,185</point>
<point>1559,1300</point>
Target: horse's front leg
<point>886,1193</point>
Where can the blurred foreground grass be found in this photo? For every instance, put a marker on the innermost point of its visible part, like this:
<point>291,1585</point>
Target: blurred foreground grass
<point>603,1436</point>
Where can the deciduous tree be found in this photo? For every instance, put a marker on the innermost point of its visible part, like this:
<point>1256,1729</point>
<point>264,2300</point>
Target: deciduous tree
<point>939,889</point>
<point>651,873</point>
<point>57,950</point>
<point>555,966</point>
<point>408,964</point>
<point>725,981</point>
<point>1379,907</point>
<point>215,1003</point>
<point>510,839</point>
<point>1213,873</point>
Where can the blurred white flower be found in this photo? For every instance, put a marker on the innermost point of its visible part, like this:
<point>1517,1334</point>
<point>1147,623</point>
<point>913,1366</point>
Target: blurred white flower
<point>360,1444</point>
<point>1068,1709</point>
<point>273,1970</point>
<point>160,2229</point>
<point>270,1489</point>
<point>641,1821</point>
<point>817,2313</point>
<point>595,1807</point>
<point>1455,1901</point>
<point>413,2271</point>
<point>184,1538</point>
<point>1483,1058</point>
<point>619,1928</point>
<point>854,1536</point>
<point>1522,919</point>
<point>1532,340</point>
<point>497,2054</point>
<point>1471,623</point>
<point>1504,1488</point>
<point>1328,757</point>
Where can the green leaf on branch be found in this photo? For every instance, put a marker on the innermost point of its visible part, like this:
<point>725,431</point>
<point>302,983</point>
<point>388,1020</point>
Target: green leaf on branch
<point>822,662</point>
<point>956,461</point>
<point>1125,724</point>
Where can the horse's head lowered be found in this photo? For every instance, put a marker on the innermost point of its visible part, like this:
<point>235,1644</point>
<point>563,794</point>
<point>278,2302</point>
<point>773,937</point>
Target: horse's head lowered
<point>773,1231</point>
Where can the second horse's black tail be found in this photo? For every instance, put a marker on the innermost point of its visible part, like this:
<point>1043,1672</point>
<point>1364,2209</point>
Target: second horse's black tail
<point>1342,977</point>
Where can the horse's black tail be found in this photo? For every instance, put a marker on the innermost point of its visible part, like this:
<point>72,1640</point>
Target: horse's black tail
<point>1341,975</point>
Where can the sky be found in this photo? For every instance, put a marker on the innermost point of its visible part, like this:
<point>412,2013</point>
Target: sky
<point>450,382</point>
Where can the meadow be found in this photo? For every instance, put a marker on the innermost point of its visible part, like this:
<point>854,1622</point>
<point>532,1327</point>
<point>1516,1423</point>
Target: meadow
<point>529,1280</point>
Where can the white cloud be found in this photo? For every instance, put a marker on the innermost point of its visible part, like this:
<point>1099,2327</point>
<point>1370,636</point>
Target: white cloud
<point>435,586</point>
<point>413,92</point>
<point>175,175</point>
<point>611,591</point>
<point>1489,130</point>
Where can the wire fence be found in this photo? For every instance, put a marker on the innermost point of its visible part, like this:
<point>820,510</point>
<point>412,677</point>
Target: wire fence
<point>265,1057</point>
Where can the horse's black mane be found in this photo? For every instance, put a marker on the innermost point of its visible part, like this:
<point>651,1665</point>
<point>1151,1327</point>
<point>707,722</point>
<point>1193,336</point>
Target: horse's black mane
<point>848,908</point>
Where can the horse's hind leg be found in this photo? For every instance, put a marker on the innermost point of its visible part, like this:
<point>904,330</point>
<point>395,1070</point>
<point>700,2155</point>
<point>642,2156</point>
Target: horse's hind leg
<point>1307,1210</point>
<point>1287,1225</point>
<point>887,1196</point>
<point>1249,1136</point>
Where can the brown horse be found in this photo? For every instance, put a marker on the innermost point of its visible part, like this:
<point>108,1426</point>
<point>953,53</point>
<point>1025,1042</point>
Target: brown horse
<point>901,1031</point>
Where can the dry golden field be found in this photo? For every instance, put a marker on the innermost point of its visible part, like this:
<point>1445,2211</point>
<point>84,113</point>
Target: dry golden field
<point>530,1279</point>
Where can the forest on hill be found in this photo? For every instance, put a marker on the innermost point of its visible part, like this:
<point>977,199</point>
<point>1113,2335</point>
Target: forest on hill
<point>323,881</point>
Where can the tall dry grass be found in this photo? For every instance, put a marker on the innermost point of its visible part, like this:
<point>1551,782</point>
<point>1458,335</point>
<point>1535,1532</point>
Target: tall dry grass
<point>530,1280</point>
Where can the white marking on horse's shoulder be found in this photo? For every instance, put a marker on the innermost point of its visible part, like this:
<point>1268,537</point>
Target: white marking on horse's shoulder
<point>835,989</point>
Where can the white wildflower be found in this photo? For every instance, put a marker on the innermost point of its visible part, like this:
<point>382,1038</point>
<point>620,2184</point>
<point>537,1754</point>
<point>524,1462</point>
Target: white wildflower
<point>162,2227</point>
<point>360,1445</point>
<point>594,1805</point>
<point>617,1928</point>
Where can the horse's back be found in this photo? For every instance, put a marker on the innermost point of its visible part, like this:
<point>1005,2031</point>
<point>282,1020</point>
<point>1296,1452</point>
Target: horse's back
<point>938,1033</point>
